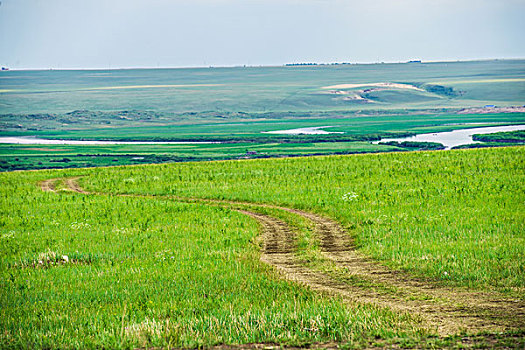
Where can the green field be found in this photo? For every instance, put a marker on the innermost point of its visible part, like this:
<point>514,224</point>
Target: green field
<point>156,268</point>
<point>20,157</point>
<point>513,137</point>
<point>264,89</point>
<point>237,105</point>
<point>147,270</point>
<point>391,190</point>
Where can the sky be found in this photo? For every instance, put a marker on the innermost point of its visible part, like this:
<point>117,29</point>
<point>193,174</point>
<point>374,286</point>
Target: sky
<point>64,34</point>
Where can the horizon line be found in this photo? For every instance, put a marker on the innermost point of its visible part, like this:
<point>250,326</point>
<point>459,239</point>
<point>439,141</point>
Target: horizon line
<point>290,64</point>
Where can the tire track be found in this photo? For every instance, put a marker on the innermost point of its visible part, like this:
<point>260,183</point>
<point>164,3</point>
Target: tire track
<point>72,184</point>
<point>446,310</point>
<point>48,185</point>
<point>449,309</point>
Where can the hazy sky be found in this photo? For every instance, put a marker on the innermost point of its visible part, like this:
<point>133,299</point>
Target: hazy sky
<point>177,33</point>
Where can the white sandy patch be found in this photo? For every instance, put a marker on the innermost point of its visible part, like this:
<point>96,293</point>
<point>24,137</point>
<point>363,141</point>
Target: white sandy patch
<point>355,97</point>
<point>317,130</point>
<point>383,85</point>
<point>348,95</point>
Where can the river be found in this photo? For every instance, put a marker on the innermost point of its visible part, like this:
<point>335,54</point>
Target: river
<point>449,139</point>
<point>454,138</point>
<point>27,140</point>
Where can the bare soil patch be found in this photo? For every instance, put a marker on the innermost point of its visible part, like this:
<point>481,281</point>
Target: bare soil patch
<point>72,184</point>
<point>48,185</point>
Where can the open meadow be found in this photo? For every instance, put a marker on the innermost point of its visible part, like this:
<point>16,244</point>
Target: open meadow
<point>421,249</point>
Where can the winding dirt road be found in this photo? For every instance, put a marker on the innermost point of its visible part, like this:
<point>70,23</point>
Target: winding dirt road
<point>444,309</point>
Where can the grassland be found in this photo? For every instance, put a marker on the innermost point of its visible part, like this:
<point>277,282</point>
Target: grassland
<point>148,271</point>
<point>391,190</point>
<point>355,127</point>
<point>263,89</point>
<point>20,157</point>
<point>237,139</point>
<point>516,137</point>
<point>143,272</point>
<point>236,105</point>
<point>422,249</point>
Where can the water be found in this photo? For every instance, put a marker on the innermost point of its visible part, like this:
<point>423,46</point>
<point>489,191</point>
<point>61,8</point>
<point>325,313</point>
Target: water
<point>316,130</point>
<point>36,141</point>
<point>449,139</point>
<point>454,138</point>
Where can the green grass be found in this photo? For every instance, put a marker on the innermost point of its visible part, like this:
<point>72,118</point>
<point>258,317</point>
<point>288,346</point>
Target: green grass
<point>353,125</point>
<point>240,137</point>
<point>153,272</point>
<point>20,157</point>
<point>502,137</point>
<point>454,216</point>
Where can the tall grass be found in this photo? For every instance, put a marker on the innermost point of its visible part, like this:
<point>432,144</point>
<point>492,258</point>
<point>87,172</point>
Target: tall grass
<point>122,272</point>
<point>83,271</point>
<point>456,216</point>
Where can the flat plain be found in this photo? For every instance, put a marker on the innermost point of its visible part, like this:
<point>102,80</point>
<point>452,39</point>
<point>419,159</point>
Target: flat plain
<point>361,103</point>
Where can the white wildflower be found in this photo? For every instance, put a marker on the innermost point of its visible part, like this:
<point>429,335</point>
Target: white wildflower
<point>350,196</point>
<point>79,225</point>
<point>47,256</point>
